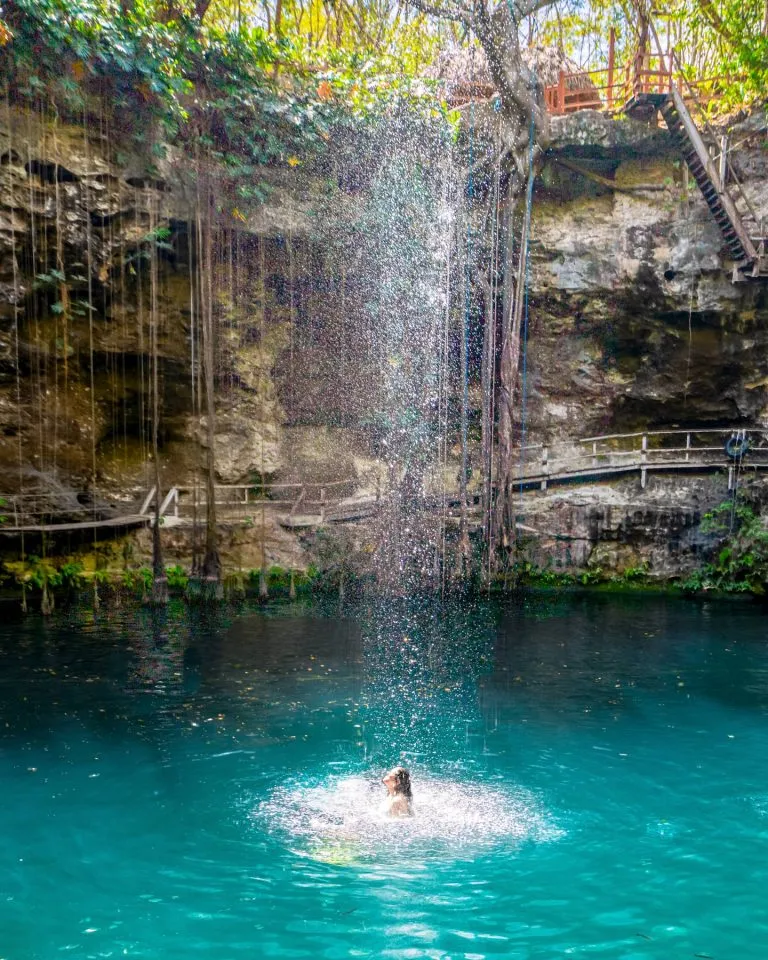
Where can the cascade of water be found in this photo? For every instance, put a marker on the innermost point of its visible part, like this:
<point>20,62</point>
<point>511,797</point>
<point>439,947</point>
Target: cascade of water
<point>420,688</point>
<point>407,228</point>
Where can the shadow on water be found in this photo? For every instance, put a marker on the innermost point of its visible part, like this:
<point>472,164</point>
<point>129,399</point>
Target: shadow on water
<point>426,673</point>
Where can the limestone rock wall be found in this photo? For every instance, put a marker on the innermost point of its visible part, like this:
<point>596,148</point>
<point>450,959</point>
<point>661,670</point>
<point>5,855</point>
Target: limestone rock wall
<point>634,324</point>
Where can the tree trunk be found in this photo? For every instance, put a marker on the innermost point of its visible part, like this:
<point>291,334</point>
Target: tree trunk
<point>211,567</point>
<point>159,579</point>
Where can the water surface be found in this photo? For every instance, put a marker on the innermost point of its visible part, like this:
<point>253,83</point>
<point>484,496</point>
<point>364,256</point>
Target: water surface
<point>589,780</point>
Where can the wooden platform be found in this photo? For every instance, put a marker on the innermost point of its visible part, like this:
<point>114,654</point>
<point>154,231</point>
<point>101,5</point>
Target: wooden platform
<point>128,520</point>
<point>578,461</point>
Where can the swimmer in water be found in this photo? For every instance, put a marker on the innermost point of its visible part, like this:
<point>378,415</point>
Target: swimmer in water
<point>400,799</point>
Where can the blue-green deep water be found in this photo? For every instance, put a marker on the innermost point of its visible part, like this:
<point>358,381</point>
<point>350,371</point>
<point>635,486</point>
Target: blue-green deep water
<point>589,781</point>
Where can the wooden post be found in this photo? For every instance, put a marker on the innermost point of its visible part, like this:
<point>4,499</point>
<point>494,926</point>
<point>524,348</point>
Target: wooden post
<point>561,92</point>
<point>644,53</point>
<point>322,504</point>
<point>594,453</point>
<point>730,478</point>
<point>544,467</point>
<point>724,159</point>
<point>611,65</point>
<point>687,447</point>
<point>643,460</point>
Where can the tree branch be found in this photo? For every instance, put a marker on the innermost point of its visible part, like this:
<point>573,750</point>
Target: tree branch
<point>449,12</point>
<point>605,181</point>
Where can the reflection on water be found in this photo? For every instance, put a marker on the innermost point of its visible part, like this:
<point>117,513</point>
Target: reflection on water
<point>346,816</point>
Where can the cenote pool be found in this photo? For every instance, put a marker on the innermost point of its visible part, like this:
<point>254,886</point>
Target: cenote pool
<point>589,781</point>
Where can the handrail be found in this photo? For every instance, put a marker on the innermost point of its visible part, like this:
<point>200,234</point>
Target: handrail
<point>148,499</point>
<point>541,463</point>
<point>172,496</point>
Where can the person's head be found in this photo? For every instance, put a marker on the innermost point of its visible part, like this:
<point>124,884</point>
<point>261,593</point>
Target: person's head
<point>398,782</point>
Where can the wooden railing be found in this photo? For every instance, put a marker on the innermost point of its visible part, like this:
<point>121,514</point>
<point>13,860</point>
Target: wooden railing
<point>246,498</point>
<point>651,69</point>
<point>536,466</point>
<point>652,451</point>
<point>608,91</point>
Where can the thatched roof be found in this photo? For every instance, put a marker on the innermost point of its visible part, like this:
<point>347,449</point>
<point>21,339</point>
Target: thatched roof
<point>463,72</point>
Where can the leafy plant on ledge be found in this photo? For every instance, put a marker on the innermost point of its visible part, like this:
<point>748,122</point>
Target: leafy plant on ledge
<point>740,563</point>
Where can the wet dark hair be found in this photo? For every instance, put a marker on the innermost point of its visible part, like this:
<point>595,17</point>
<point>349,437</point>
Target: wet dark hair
<point>403,782</point>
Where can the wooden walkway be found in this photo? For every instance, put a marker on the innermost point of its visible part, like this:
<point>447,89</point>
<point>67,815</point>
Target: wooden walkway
<point>126,520</point>
<point>305,505</point>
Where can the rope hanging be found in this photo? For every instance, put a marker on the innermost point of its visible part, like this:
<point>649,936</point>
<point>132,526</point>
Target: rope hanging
<point>467,320</point>
<point>526,253</point>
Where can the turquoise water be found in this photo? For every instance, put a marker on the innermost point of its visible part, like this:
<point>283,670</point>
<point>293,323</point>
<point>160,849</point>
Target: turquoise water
<point>589,781</point>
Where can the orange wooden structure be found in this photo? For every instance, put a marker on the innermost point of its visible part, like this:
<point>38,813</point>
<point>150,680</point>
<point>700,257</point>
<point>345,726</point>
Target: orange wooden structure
<point>653,86</point>
<point>610,89</point>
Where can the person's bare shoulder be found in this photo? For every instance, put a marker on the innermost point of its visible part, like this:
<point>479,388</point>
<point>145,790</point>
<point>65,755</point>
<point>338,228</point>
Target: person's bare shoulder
<point>400,807</point>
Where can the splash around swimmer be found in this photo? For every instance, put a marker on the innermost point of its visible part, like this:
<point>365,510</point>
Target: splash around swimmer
<point>347,812</point>
<point>399,794</point>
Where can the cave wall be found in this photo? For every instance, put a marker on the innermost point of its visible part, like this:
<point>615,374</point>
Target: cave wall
<point>634,324</point>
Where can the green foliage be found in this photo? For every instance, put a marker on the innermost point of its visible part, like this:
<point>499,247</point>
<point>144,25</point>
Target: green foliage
<point>217,85</point>
<point>39,572</point>
<point>138,582</point>
<point>102,577</point>
<point>739,561</point>
<point>529,574</point>
<point>163,79</point>
<point>632,574</point>
<point>279,578</point>
<point>177,577</point>
<point>71,574</point>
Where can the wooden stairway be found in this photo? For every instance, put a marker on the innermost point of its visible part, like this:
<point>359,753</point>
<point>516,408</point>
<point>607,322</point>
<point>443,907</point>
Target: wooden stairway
<point>726,200</point>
